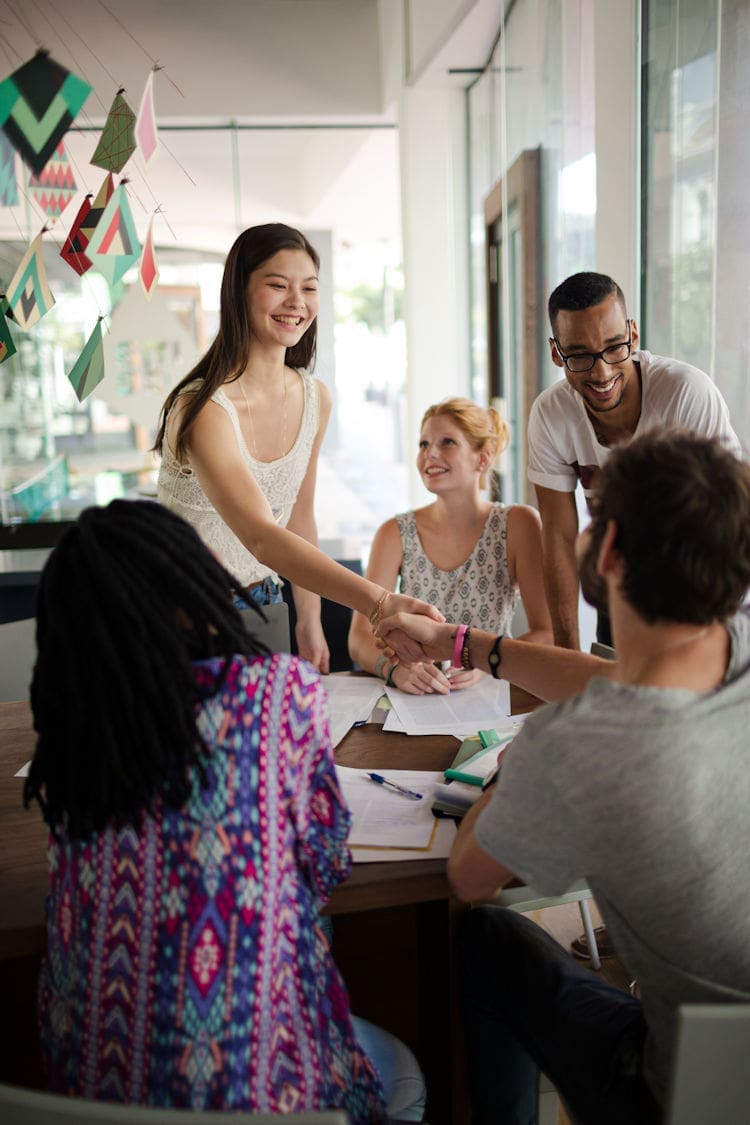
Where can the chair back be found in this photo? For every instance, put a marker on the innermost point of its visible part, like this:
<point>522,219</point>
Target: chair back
<point>30,1107</point>
<point>709,1080</point>
<point>17,656</point>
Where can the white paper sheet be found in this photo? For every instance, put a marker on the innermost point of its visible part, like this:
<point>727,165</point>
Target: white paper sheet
<point>485,704</point>
<point>350,700</point>
<point>24,770</point>
<point>386,819</point>
<point>442,842</point>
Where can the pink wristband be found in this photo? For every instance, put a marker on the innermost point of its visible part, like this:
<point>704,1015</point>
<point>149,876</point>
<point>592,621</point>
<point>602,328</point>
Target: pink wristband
<point>458,644</point>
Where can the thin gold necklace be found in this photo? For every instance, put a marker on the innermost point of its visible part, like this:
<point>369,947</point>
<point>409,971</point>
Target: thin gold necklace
<point>252,424</point>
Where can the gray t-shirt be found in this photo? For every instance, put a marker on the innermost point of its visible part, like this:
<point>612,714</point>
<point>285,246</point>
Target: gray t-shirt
<point>645,793</point>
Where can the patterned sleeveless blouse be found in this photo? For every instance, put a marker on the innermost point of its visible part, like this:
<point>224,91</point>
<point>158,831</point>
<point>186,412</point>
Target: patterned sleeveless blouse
<point>280,480</point>
<point>479,592</point>
<point>185,963</point>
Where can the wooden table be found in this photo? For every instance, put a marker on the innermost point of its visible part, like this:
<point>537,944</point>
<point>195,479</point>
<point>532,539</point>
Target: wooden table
<point>394,922</point>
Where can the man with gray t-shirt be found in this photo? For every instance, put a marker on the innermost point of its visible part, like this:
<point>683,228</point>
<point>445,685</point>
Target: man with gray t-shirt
<point>636,779</point>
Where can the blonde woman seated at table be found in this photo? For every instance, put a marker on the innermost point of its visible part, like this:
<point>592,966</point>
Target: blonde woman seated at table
<point>465,555</point>
<point>196,830</point>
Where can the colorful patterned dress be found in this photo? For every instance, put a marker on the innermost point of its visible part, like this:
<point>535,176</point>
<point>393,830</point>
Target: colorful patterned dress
<point>185,966</point>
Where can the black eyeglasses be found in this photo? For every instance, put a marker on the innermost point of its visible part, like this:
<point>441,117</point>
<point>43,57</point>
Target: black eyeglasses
<point>584,361</point>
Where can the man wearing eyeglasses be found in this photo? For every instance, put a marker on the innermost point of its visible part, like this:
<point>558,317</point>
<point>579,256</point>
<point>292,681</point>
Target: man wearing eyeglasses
<point>611,391</point>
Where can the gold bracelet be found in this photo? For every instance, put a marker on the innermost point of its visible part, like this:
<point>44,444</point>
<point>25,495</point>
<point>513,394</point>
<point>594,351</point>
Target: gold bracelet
<point>377,613</point>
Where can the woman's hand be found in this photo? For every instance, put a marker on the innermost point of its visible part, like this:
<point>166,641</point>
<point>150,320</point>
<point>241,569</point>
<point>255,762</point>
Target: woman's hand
<point>430,639</point>
<point>460,678</point>
<point>420,679</point>
<point>311,643</point>
<point>401,642</point>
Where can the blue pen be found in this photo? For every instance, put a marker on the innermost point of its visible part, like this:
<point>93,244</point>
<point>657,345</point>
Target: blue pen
<point>380,780</point>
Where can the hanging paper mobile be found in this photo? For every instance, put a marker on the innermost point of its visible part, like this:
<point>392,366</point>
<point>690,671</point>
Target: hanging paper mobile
<point>55,185</point>
<point>28,294</point>
<point>84,226</point>
<point>37,105</point>
<point>8,182</point>
<point>88,370</point>
<point>7,347</point>
<point>117,142</point>
<point>149,271</point>
<point>114,245</point>
<point>145,126</point>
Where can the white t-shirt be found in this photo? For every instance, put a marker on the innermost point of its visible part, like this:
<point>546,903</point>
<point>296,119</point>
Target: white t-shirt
<point>563,447</point>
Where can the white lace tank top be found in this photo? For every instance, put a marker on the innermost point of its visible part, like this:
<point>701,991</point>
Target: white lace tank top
<point>479,592</point>
<point>178,487</point>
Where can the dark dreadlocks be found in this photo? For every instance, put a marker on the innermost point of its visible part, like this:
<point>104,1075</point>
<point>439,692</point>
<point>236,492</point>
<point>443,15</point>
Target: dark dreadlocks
<point>127,600</point>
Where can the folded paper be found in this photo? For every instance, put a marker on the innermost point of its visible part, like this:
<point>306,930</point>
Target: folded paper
<point>38,103</point>
<point>88,370</point>
<point>114,247</point>
<point>55,185</point>
<point>145,126</point>
<point>7,347</point>
<point>117,141</point>
<point>84,225</point>
<point>149,271</point>
<point>28,294</point>
<point>8,182</point>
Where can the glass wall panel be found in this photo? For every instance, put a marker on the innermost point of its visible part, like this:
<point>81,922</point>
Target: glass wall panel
<point>696,164</point>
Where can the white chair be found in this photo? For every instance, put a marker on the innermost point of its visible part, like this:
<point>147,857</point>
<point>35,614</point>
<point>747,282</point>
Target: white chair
<point>30,1107</point>
<point>525,899</point>
<point>709,1072</point>
<point>17,656</point>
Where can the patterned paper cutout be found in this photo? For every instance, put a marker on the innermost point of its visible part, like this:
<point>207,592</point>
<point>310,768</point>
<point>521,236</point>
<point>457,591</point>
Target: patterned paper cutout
<point>37,105</point>
<point>28,295</point>
<point>145,126</point>
<point>89,214</point>
<point>55,185</point>
<point>8,182</point>
<point>88,370</point>
<point>114,245</point>
<point>7,347</point>
<point>149,271</point>
<point>117,142</point>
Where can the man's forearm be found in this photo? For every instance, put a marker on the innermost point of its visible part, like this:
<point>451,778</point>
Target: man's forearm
<point>561,588</point>
<point>548,672</point>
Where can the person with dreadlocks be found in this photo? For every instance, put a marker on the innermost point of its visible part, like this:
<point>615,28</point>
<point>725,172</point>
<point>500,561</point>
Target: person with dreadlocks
<point>196,828</point>
<point>240,435</point>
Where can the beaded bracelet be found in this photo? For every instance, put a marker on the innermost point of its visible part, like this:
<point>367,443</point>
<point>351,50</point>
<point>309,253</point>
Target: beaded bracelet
<point>389,674</point>
<point>458,645</point>
<point>465,654</point>
<point>379,664</point>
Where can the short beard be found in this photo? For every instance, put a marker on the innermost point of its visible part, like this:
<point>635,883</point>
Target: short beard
<point>593,586</point>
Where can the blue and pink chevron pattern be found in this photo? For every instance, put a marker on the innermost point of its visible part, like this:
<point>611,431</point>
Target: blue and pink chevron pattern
<point>185,966</point>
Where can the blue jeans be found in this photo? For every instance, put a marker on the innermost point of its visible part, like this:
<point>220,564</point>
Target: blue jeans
<point>266,592</point>
<point>529,1006</point>
<point>403,1084</point>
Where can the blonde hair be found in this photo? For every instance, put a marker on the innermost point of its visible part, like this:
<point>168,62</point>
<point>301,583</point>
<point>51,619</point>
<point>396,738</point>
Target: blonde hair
<point>482,427</point>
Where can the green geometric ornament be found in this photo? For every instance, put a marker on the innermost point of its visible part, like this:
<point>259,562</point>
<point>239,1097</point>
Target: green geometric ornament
<point>37,105</point>
<point>114,245</point>
<point>7,347</point>
<point>117,142</point>
<point>88,371</point>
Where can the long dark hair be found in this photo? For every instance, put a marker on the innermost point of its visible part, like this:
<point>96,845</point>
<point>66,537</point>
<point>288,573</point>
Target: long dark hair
<point>127,600</point>
<point>226,358</point>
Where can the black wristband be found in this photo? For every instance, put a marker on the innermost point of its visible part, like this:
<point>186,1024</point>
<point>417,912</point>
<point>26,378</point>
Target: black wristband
<point>495,657</point>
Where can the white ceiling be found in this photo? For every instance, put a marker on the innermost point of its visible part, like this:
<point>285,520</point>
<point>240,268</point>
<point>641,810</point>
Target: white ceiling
<point>289,64</point>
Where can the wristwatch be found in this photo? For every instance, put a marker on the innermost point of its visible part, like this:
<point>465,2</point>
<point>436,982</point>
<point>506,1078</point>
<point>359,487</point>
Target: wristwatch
<point>495,657</point>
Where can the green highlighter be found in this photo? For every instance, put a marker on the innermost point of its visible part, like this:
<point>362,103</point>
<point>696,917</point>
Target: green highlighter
<point>461,767</point>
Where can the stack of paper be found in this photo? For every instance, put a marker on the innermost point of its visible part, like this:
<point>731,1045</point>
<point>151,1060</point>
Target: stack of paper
<point>350,700</point>
<point>387,825</point>
<point>462,712</point>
